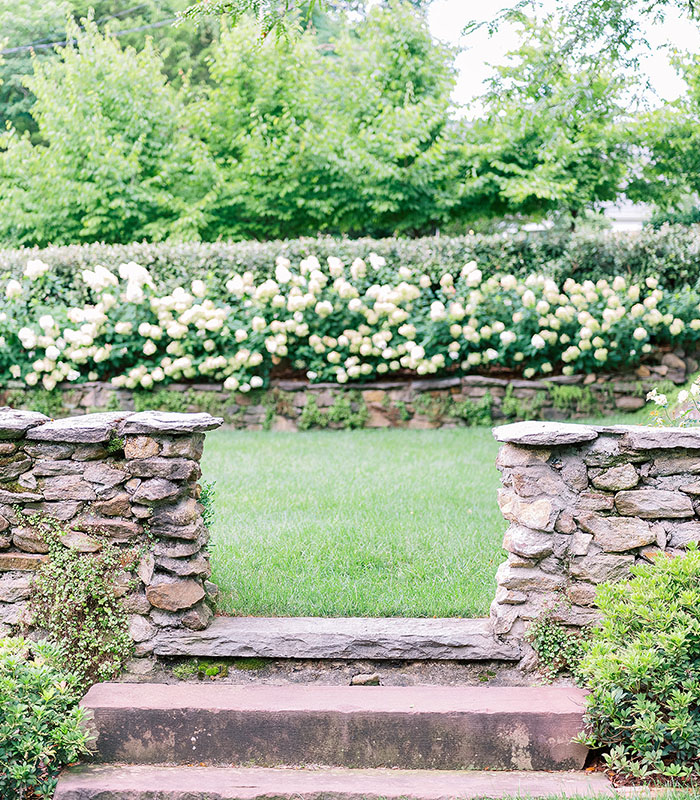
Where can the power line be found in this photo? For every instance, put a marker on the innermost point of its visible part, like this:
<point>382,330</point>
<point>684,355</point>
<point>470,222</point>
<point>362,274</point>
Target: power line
<point>26,47</point>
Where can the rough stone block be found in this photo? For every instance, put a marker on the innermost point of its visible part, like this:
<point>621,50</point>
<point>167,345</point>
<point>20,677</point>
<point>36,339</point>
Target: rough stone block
<point>174,469</point>
<point>539,514</point>
<point>544,434</point>
<point>653,504</point>
<point>14,423</point>
<point>616,478</point>
<point>156,490</point>
<point>67,487</point>
<point>528,579</point>
<point>90,428</point>
<point>528,543</point>
<point>174,594</point>
<point>29,541</point>
<point>598,567</point>
<point>154,423</point>
<point>140,447</point>
<point>617,534</point>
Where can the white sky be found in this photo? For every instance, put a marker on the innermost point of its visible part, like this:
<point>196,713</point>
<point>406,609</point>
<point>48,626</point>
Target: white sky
<point>448,18</point>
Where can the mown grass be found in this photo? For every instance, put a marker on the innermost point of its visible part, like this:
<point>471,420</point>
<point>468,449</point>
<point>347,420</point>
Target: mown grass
<point>344,523</point>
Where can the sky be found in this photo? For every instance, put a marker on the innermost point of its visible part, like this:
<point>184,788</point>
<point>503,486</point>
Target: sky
<point>448,17</point>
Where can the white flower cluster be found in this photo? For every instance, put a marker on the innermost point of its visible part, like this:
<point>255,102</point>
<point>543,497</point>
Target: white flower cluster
<point>334,321</point>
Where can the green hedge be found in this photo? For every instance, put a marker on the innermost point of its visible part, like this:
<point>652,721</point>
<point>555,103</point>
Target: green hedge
<point>671,253</point>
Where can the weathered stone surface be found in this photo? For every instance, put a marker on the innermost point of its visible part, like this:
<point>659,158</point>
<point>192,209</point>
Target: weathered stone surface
<point>14,613</point>
<point>14,586</point>
<point>5,540</point>
<point>198,618</point>
<point>147,565</point>
<point>174,549</point>
<point>654,504</point>
<point>616,478</point>
<point>346,638</point>
<point>29,541</point>
<point>187,532</point>
<point>48,469</point>
<point>156,490</point>
<point>525,579</point>
<point>61,509</point>
<point>580,542</point>
<point>565,522</point>
<point>617,534</point>
<point>11,467</point>
<point>7,448</point>
<point>4,524</point>
<point>160,422</point>
<point>533,481</point>
<point>117,506</point>
<point>606,451</point>
<point>184,567</point>
<point>581,594</point>
<point>182,446</point>
<point>174,594</point>
<point>11,497</point>
<point>212,591</point>
<point>141,628</point>
<point>174,469</point>
<point>136,603</point>
<point>682,533</point>
<point>14,423</point>
<point>528,543</point>
<point>690,488</point>
<point>48,452</point>
<point>68,487</point>
<point>539,514</point>
<point>510,596</point>
<point>140,447</point>
<point>104,474</point>
<point>544,434</point>
<point>648,438</point>
<point>598,567</point>
<point>90,452</point>
<point>575,474</point>
<point>510,455</point>
<point>184,512</point>
<point>676,465</point>
<point>28,562</point>
<point>594,501</point>
<point>90,428</point>
<point>77,540</point>
<point>119,530</point>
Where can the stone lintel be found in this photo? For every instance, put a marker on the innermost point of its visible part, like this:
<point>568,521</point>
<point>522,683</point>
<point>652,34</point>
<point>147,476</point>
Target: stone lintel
<point>156,423</point>
<point>544,434</point>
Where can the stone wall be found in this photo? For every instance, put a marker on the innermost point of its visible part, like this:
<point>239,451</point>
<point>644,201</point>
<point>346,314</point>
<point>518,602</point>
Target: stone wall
<point>120,477</point>
<point>425,403</point>
<point>584,504</point>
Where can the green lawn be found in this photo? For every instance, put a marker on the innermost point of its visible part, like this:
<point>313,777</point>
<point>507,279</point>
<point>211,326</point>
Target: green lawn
<point>343,523</point>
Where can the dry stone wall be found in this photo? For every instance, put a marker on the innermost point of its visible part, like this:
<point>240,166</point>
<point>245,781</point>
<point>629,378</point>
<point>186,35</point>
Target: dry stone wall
<point>124,478</point>
<point>422,403</point>
<point>585,503</point>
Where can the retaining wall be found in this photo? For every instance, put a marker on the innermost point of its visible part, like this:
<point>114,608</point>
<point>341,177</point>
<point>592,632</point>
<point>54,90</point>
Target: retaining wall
<point>585,503</point>
<point>425,403</point>
<point>126,478</point>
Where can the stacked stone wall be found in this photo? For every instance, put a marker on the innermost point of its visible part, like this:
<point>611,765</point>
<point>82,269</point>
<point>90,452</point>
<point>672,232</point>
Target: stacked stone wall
<point>586,503</point>
<point>425,403</point>
<point>125,478</point>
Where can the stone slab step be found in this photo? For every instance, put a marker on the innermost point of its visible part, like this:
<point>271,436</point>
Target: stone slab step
<point>413,727</point>
<point>345,637</point>
<point>212,783</point>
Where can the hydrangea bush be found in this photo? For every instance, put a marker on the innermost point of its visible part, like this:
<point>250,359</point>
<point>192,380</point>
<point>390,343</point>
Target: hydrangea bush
<point>331,321</point>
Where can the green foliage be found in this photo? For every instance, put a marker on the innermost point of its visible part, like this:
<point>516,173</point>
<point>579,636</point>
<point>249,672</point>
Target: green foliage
<point>642,671</point>
<point>115,444</point>
<point>513,407</point>
<point>577,399</point>
<point>41,726</point>
<point>41,400</point>
<point>208,500</point>
<point>74,599</point>
<point>348,410</point>
<point>559,649</point>
<point>115,165</point>
<point>549,142</point>
<point>474,412</point>
<point>202,669</point>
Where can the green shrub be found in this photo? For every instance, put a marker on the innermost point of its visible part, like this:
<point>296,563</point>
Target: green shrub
<point>40,722</point>
<point>643,670</point>
<point>558,648</point>
<point>75,599</point>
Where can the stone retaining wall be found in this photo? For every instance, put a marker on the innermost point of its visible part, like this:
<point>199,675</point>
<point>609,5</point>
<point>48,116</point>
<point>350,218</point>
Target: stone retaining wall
<point>426,403</point>
<point>125,478</point>
<point>585,503</point>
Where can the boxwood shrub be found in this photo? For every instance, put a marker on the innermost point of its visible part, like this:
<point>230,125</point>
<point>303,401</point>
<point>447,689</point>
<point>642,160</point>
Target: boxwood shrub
<point>643,669</point>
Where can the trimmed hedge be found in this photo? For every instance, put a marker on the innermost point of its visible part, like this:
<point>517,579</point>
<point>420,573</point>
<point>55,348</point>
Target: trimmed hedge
<point>671,253</point>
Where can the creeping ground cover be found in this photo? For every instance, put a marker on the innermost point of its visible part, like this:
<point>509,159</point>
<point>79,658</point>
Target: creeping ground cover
<point>331,321</point>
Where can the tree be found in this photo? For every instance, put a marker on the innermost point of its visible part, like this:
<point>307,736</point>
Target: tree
<point>550,141</point>
<point>32,28</point>
<point>669,142</point>
<point>117,160</point>
<point>354,137</point>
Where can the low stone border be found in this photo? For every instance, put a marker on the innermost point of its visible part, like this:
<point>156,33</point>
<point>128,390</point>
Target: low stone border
<point>424,403</point>
<point>123,478</point>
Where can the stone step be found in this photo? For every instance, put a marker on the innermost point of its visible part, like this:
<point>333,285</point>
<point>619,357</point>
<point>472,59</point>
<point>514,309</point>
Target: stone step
<point>221,783</point>
<point>413,727</point>
<point>344,637</point>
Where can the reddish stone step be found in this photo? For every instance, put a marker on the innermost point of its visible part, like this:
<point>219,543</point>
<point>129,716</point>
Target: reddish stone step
<point>415,727</point>
<point>221,783</point>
